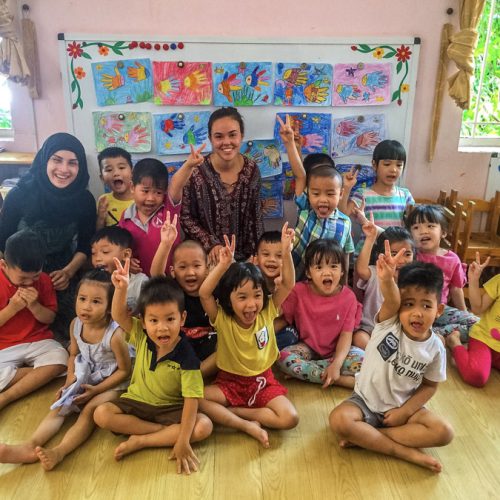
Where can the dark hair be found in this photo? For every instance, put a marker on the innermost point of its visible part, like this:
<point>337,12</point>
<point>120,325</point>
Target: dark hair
<point>226,112</point>
<point>427,213</point>
<point>324,170</point>
<point>268,237</point>
<point>389,150</point>
<point>189,244</point>
<point>324,248</point>
<point>115,235</point>
<point>393,234</point>
<point>237,275</point>
<point>314,160</point>
<point>152,168</point>
<point>25,250</point>
<point>159,290</point>
<point>113,152</point>
<point>422,275</point>
<point>103,278</point>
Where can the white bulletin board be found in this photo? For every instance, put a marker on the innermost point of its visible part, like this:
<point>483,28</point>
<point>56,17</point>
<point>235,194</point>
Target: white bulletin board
<point>81,54</point>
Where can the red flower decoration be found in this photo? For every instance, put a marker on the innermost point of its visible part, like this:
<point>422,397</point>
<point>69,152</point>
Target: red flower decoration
<point>353,47</point>
<point>403,53</point>
<point>79,73</point>
<point>103,50</point>
<point>75,50</point>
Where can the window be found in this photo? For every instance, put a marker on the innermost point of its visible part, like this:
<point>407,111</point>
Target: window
<point>481,123</point>
<point>6,130</point>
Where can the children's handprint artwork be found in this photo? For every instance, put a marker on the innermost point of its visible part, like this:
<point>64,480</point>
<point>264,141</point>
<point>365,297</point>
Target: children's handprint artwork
<point>242,84</point>
<point>122,82</point>
<point>271,195</point>
<point>304,84</point>
<point>357,135</point>
<point>266,154</point>
<point>175,132</point>
<point>315,131</point>
<point>361,84</point>
<point>365,174</point>
<point>128,130</point>
<point>182,83</point>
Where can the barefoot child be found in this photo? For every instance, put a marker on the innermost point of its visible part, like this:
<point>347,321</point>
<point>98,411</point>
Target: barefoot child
<point>245,394</point>
<point>98,367</point>
<point>189,269</point>
<point>475,362</point>
<point>160,407</point>
<point>29,355</point>
<point>404,362</point>
<point>325,313</point>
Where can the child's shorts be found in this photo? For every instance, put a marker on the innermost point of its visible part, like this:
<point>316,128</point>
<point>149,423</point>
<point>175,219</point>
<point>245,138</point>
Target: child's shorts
<point>370,417</point>
<point>251,392</point>
<point>34,354</point>
<point>166,415</point>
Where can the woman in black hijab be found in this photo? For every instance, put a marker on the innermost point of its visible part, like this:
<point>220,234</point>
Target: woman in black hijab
<point>52,199</point>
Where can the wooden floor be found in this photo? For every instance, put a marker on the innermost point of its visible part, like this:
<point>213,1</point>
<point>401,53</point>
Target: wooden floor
<point>303,463</point>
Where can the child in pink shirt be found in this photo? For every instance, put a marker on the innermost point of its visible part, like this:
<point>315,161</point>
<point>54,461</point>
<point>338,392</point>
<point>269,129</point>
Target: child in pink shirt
<point>325,314</point>
<point>153,198</point>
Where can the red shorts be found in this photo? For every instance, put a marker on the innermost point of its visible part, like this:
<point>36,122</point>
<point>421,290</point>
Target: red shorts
<point>250,392</point>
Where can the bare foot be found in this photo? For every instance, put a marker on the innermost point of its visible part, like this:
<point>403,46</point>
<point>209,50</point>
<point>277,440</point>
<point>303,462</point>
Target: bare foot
<point>417,457</point>
<point>254,429</point>
<point>453,339</point>
<point>133,443</point>
<point>49,458</point>
<point>17,454</point>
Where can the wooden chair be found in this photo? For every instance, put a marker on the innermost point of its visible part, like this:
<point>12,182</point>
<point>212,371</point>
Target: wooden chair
<point>478,231</point>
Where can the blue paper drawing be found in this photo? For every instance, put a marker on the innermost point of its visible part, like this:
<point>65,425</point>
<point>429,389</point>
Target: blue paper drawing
<point>122,82</point>
<point>366,174</point>
<point>242,84</point>
<point>315,131</point>
<point>307,84</point>
<point>271,194</point>
<point>172,167</point>
<point>174,132</point>
<point>266,154</point>
<point>288,182</point>
<point>357,135</point>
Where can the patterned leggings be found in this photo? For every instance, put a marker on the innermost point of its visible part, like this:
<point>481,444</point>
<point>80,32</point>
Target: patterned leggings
<point>455,319</point>
<point>300,361</point>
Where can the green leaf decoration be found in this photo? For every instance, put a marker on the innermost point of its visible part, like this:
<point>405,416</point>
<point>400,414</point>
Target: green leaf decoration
<point>86,55</point>
<point>395,95</point>
<point>117,51</point>
<point>399,66</point>
<point>364,48</point>
<point>73,85</point>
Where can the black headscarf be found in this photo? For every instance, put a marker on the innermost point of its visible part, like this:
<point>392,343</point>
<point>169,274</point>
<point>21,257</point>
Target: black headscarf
<point>46,201</point>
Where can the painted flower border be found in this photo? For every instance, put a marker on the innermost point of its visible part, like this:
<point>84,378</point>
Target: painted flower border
<point>76,50</point>
<point>402,54</point>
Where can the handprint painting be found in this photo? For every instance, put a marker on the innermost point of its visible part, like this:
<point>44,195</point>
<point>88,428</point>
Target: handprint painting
<point>182,83</point>
<point>357,135</point>
<point>128,130</point>
<point>315,130</point>
<point>122,82</point>
<point>266,154</point>
<point>176,132</point>
<point>361,84</point>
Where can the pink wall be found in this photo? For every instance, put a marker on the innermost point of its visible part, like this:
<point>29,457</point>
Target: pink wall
<point>264,18</point>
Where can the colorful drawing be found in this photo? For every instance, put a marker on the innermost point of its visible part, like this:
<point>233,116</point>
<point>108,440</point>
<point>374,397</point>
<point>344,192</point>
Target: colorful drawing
<point>187,83</point>
<point>242,84</point>
<point>303,84</point>
<point>174,132</point>
<point>366,174</point>
<point>357,135</point>
<point>128,130</point>
<point>266,154</point>
<point>122,82</point>
<point>361,84</point>
<point>271,194</point>
<point>288,182</point>
<point>172,167</point>
<point>402,54</point>
<point>315,131</point>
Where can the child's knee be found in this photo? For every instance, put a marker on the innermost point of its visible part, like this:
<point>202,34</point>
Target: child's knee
<point>340,422</point>
<point>202,429</point>
<point>289,419</point>
<point>444,433</point>
<point>103,415</point>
